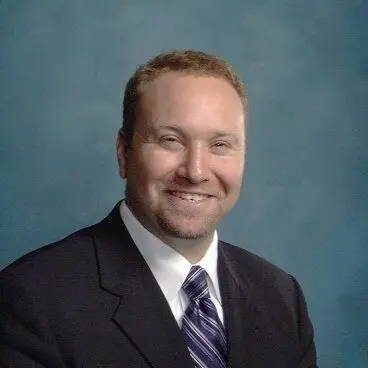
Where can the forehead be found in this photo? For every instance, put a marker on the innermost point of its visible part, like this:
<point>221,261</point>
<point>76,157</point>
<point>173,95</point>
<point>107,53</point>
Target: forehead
<point>176,89</point>
<point>196,105</point>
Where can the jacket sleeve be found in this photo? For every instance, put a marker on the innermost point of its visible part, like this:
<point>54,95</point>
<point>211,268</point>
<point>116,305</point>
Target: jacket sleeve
<point>307,351</point>
<point>25,339</point>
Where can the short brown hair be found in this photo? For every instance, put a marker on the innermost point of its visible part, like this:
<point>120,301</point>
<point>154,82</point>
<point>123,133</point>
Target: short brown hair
<point>190,62</point>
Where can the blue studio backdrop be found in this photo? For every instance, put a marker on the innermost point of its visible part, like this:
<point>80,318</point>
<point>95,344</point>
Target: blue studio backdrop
<point>304,204</point>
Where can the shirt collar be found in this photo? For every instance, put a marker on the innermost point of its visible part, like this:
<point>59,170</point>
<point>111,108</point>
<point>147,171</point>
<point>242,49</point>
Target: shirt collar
<point>168,266</point>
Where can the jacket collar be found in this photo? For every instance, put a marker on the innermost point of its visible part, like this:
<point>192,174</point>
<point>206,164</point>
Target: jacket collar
<point>143,313</point>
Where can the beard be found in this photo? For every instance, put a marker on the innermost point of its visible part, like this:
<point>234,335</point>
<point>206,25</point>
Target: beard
<point>166,223</point>
<point>190,233</point>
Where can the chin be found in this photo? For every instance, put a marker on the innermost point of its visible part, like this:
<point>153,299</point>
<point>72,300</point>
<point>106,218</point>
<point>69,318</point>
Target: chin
<point>192,232</point>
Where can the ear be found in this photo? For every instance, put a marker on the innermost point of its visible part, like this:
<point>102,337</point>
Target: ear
<point>121,153</point>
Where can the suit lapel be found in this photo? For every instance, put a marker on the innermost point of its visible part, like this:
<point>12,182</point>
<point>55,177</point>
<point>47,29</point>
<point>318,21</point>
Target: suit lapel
<point>143,313</point>
<point>145,317</point>
<point>250,337</point>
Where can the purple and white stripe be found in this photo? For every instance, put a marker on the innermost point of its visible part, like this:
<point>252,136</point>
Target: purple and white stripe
<point>203,330</point>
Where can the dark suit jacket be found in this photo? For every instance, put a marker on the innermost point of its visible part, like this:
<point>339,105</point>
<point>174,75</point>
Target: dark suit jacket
<point>90,300</point>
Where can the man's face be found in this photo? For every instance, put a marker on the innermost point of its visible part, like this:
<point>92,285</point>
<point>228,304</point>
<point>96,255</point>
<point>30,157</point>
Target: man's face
<point>185,166</point>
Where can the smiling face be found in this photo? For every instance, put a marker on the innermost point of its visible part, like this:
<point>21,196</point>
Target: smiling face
<point>185,166</point>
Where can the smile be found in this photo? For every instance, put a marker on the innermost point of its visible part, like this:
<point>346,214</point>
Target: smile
<point>194,197</point>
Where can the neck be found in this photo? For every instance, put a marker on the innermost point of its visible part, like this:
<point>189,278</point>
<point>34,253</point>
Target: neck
<point>192,249</point>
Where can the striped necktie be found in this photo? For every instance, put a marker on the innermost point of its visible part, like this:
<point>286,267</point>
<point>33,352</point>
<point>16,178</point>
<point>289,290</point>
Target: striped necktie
<point>203,330</point>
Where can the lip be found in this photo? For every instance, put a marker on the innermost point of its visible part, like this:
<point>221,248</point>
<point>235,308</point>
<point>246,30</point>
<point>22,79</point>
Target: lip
<point>189,192</point>
<point>185,204</point>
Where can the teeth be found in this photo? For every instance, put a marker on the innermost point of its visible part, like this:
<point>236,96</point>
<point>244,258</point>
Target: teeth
<point>190,196</point>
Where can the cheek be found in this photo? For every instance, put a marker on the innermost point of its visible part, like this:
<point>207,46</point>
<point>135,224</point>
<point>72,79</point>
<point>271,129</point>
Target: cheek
<point>232,181</point>
<point>231,175</point>
<point>156,166</point>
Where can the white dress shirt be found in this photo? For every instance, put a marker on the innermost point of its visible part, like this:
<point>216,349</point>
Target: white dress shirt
<point>170,268</point>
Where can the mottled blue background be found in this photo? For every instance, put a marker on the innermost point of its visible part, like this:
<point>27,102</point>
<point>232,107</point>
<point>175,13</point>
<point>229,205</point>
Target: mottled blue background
<point>304,204</point>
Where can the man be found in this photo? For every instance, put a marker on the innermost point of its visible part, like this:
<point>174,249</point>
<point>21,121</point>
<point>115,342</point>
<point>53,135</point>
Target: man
<point>151,285</point>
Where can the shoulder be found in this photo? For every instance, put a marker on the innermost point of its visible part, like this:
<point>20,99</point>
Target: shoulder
<point>51,272</point>
<point>241,258</point>
<point>73,248</point>
<point>43,281</point>
<point>71,254</point>
<point>257,271</point>
<point>275,293</point>
<point>269,284</point>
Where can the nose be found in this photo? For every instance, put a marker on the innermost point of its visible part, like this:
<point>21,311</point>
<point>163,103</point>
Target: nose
<point>194,166</point>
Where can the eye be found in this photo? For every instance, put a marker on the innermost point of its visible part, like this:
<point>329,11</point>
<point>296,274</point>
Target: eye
<point>170,141</point>
<point>221,147</point>
<point>220,144</point>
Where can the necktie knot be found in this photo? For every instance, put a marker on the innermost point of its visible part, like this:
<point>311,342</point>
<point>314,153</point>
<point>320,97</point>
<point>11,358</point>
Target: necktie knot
<point>195,285</point>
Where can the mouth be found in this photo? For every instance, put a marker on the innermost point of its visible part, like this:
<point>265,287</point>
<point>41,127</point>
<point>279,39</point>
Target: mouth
<point>192,197</point>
